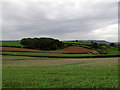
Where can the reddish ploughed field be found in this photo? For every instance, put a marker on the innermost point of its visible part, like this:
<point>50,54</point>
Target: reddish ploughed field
<point>71,49</point>
<point>19,49</point>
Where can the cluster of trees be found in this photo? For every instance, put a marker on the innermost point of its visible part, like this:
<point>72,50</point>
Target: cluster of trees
<point>102,48</point>
<point>42,43</point>
<point>112,44</point>
<point>96,45</point>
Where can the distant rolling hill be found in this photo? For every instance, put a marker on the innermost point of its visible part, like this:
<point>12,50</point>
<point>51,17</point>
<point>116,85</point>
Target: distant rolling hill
<point>89,41</point>
<point>97,41</point>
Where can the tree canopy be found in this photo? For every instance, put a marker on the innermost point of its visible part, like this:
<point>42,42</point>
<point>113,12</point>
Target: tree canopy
<point>42,43</point>
<point>112,44</point>
<point>95,45</point>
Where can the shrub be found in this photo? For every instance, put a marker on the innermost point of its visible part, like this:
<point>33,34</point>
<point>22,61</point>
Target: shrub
<point>95,45</point>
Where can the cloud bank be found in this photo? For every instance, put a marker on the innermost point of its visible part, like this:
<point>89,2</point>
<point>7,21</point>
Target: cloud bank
<point>63,20</point>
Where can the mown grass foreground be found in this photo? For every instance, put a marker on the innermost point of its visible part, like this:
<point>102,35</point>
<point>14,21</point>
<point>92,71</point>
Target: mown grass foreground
<point>34,72</point>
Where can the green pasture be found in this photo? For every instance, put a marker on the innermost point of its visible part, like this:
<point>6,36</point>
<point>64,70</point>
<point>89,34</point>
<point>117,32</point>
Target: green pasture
<point>11,43</point>
<point>45,54</point>
<point>27,72</point>
<point>113,51</point>
<point>14,58</point>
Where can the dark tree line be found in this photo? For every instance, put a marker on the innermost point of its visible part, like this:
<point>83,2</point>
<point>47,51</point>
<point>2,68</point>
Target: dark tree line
<point>42,43</point>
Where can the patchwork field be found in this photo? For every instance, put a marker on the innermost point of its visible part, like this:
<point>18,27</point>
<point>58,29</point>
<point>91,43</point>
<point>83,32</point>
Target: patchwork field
<point>42,72</point>
<point>73,49</point>
<point>77,47</point>
<point>34,72</point>
<point>19,49</point>
<point>75,52</point>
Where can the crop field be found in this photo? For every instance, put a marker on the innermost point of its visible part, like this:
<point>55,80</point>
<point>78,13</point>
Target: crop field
<point>19,49</point>
<point>72,49</point>
<point>35,72</point>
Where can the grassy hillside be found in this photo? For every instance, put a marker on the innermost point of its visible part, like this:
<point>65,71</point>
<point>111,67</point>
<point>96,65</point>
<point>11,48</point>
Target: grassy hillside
<point>113,51</point>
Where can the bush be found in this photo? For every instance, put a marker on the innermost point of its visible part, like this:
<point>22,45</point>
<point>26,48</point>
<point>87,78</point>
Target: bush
<point>112,44</point>
<point>95,45</point>
<point>42,43</point>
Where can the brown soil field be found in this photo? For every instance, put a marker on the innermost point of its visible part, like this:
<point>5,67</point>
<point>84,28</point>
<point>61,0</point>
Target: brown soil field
<point>71,49</point>
<point>19,49</point>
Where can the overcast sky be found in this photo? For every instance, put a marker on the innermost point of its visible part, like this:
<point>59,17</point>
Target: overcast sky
<point>64,20</point>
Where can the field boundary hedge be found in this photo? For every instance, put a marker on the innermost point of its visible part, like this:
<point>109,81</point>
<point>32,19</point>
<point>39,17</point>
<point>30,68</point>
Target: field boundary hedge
<point>65,56</point>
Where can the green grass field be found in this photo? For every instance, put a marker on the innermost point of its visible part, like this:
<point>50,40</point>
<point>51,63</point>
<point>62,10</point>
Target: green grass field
<point>113,51</point>
<point>45,54</point>
<point>34,72</point>
<point>11,43</point>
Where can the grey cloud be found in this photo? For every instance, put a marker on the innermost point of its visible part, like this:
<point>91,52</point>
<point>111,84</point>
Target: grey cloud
<point>57,20</point>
